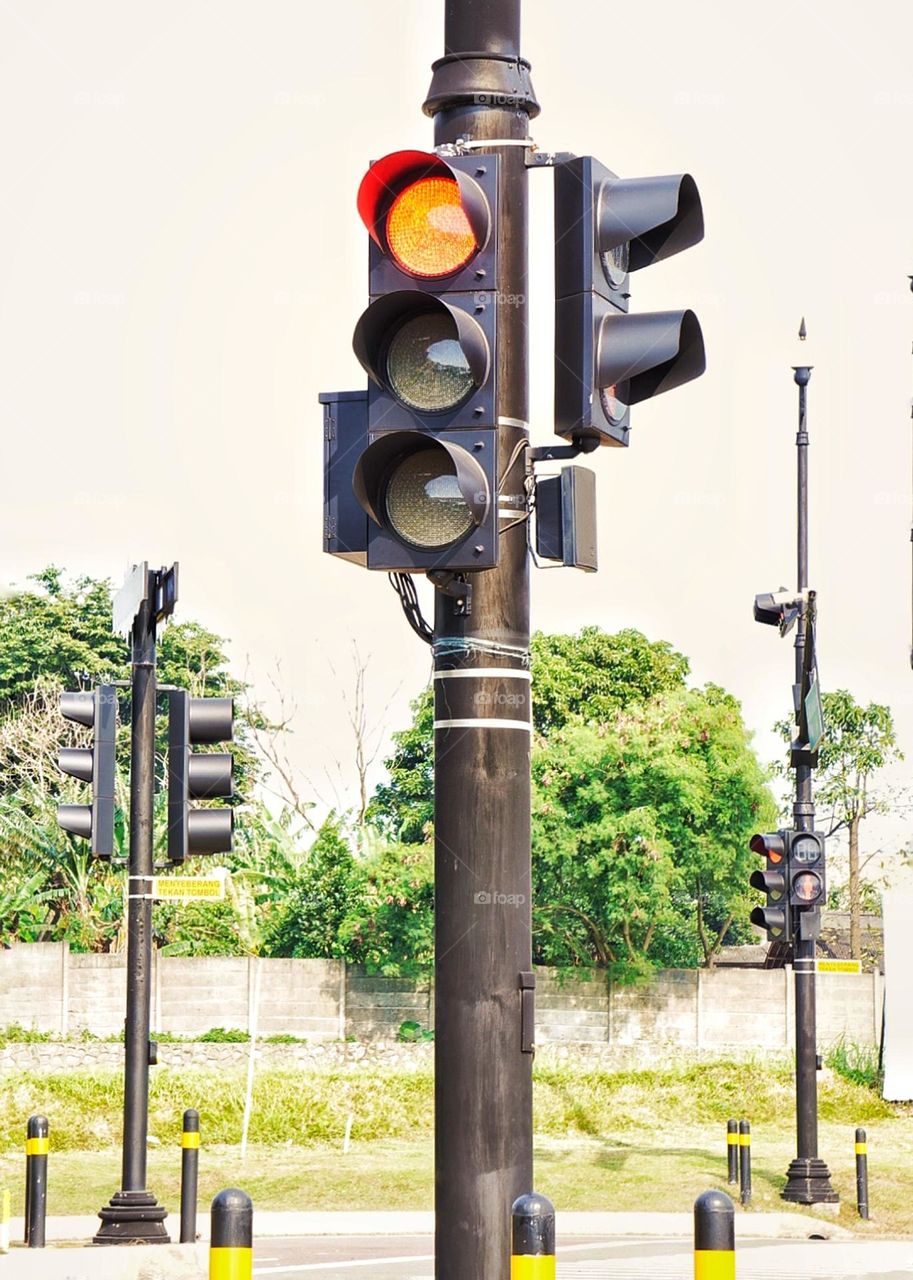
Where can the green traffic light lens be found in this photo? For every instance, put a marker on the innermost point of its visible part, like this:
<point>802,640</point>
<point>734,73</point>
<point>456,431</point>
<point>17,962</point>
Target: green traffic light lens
<point>423,501</point>
<point>427,368</point>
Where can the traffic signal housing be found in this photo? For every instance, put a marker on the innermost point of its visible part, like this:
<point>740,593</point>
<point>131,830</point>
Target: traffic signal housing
<point>778,609</point>
<point>607,360</point>
<point>96,765</point>
<point>426,471</point>
<point>807,881</point>
<point>198,775</point>
<point>774,916</point>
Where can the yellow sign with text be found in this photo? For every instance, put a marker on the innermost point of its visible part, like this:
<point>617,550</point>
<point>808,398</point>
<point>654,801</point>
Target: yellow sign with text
<point>840,966</point>
<point>189,888</point>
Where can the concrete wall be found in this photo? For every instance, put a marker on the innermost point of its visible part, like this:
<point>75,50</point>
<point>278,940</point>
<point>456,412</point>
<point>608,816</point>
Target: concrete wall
<point>44,986</point>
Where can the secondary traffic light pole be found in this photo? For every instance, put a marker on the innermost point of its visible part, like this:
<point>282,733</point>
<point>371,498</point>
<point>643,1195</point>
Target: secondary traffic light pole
<point>808,1178</point>
<point>481,91</point>
<point>133,1213</point>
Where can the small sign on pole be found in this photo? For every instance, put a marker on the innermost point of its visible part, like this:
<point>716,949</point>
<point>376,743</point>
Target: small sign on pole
<point>814,716</point>
<point>827,965</point>
<point>191,888</point>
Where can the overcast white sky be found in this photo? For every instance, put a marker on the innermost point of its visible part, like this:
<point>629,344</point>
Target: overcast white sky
<point>182,267</point>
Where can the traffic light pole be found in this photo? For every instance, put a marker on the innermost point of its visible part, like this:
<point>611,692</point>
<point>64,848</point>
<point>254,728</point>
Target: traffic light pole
<point>133,1214</point>
<point>808,1179</point>
<point>483,929</point>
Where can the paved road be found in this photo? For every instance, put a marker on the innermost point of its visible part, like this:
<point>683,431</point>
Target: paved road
<point>411,1258</point>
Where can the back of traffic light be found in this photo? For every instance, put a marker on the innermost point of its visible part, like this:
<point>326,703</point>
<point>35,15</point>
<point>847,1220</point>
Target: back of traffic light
<point>96,765</point>
<point>198,775</point>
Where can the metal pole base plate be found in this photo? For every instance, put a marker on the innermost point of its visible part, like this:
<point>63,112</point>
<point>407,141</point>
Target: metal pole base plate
<point>808,1181</point>
<point>132,1217</point>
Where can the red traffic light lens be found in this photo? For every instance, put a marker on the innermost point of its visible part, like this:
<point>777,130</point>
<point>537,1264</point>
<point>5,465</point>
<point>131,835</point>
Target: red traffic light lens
<point>428,232</point>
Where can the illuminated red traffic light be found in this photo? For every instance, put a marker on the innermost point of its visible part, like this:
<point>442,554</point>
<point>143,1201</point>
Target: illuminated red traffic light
<point>430,218</point>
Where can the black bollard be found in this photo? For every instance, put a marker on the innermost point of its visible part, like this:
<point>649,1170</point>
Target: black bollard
<point>36,1181</point>
<point>745,1161</point>
<point>190,1153</point>
<point>714,1237</point>
<point>231,1240</point>
<point>862,1174</point>
<point>732,1151</point>
<point>532,1252</point>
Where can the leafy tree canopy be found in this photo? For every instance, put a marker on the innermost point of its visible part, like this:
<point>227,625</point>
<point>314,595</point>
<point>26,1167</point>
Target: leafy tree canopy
<point>640,833</point>
<point>588,676</point>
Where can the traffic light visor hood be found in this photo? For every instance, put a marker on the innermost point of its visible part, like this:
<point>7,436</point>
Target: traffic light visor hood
<point>771,845</point>
<point>429,355</point>
<point>655,217</point>
<point>428,493</point>
<point>640,356</point>
<point>429,218</point>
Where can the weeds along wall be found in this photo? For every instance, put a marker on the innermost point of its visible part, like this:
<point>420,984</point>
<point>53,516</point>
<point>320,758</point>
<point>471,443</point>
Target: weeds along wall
<point>48,988</point>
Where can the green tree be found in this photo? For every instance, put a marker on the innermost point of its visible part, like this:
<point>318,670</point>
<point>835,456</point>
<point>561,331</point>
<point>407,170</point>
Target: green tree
<point>858,742</point>
<point>391,930</point>
<point>640,834</point>
<point>586,676</point>
<point>328,890</point>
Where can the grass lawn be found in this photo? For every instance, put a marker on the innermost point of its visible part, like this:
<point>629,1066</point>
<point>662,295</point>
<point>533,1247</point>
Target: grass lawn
<point>651,1139</point>
<point>635,1171</point>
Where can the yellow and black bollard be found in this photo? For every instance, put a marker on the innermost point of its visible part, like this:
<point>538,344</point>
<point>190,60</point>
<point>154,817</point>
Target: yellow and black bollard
<point>862,1174</point>
<point>532,1238</point>
<point>732,1152</point>
<point>714,1237</point>
<point>190,1152</point>
<point>231,1240</point>
<point>745,1162</point>
<point>37,1145</point>
<point>5,1222</point>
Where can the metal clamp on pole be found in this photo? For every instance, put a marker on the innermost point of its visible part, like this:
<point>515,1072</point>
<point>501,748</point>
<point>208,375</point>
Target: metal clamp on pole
<point>37,1144</point>
<point>231,1241</point>
<point>732,1152</point>
<point>714,1237</point>
<point>190,1152</point>
<point>745,1161</point>
<point>862,1174</point>
<point>532,1238</point>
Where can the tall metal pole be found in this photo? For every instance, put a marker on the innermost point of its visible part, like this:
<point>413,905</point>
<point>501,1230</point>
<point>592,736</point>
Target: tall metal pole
<point>480,91</point>
<point>133,1213</point>
<point>808,1179</point>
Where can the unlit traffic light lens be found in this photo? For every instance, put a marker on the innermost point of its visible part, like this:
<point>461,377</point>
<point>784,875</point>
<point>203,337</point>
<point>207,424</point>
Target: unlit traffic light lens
<point>427,368</point>
<point>613,406</point>
<point>423,501</point>
<point>428,232</point>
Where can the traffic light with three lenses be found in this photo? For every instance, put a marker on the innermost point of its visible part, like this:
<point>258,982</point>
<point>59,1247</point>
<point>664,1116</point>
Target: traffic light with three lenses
<point>425,473</point>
